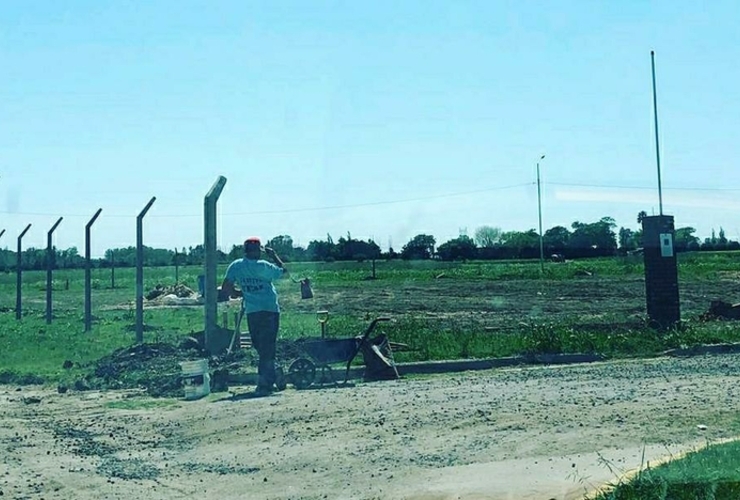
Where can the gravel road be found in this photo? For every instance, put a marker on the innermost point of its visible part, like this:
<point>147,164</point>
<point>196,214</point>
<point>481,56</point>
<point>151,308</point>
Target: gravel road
<point>545,433</point>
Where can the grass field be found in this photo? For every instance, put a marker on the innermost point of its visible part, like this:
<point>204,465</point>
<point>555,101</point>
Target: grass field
<point>440,310</point>
<point>710,473</point>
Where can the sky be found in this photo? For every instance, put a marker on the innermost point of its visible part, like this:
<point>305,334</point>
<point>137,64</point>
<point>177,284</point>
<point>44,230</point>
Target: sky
<point>380,119</point>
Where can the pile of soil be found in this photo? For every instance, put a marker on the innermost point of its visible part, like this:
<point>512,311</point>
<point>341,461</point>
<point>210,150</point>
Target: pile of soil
<point>156,367</point>
<point>180,290</point>
<point>720,309</point>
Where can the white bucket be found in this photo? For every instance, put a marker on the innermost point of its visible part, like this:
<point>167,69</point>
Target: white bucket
<point>195,379</point>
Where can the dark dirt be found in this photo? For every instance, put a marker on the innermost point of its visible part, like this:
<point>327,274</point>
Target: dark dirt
<point>127,469</point>
<point>502,303</point>
<point>156,367</point>
<point>719,309</point>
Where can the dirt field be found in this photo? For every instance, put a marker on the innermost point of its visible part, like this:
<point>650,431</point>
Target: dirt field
<point>537,433</point>
<point>502,304</point>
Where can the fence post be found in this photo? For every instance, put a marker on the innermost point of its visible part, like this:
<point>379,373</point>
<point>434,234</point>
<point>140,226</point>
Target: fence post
<point>113,269</point>
<point>1,235</point>
<point>50,261</point>
<point>211,259</point>
<point>88,266</point>
<point>19,271</point>
<point>140,271</point>
<point>177,276</point>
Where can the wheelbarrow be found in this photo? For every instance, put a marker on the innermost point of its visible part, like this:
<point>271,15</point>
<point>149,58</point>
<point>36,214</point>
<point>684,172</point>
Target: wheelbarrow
<point>316,355</point>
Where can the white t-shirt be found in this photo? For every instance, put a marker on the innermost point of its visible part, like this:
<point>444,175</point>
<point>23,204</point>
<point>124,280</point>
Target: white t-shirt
<point>255,278</point>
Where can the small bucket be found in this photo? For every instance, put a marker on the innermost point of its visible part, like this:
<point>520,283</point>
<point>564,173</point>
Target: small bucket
<point>306,291</point>
<point>195,378</point>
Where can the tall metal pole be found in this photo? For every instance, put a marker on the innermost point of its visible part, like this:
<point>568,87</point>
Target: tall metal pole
<point>211,259</point>
<point>88,267</point>
<point>113,269</point>
<point>50,258</point>
<point>539,209</point>
<point>657,144</point>
<point>140,271</point>
<point>19,278</point>
<point>1,235</point>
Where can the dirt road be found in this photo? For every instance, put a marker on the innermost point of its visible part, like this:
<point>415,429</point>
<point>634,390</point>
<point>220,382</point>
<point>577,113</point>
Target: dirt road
<point>536,433</point>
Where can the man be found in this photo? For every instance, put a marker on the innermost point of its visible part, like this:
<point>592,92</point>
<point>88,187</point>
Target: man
<point>260,301</point>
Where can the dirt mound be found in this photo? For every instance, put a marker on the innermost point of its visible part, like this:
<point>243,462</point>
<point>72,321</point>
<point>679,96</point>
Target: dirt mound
<point>154,367</point>
<point>720,309</point>
<point>179,290</point>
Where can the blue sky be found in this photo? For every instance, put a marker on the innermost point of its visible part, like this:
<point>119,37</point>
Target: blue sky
<point>382,119</point>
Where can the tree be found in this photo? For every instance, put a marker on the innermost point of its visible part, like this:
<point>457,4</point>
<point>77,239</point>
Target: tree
<point>320,250</point>
<point>641,215</point>
<point>520,244</point>
<point>487,236</point>
<point>421,246</point>
<point>627,240</point>
<point>462,247</point>
<point>283,246</point>
<point>351,249</point>
<point>684,239</point>
<point>236,252</point>
<point>596,238</point>
<point>722,240</point>
<point>555,239</point>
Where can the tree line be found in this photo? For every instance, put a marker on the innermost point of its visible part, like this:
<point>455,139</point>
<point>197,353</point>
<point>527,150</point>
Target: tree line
<point>583,239</point>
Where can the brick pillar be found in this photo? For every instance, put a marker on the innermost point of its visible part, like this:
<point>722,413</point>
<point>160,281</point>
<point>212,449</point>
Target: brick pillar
<point>661,271</point>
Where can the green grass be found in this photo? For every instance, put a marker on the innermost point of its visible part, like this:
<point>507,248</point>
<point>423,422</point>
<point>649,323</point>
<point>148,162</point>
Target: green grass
<point>710,473</point>
<point>31,350</point>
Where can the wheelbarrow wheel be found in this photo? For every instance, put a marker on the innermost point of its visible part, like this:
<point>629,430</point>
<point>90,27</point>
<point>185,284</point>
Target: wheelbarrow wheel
<point>301,373</point>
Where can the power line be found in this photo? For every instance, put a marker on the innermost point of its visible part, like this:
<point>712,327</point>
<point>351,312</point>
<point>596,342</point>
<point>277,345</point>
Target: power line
<point>295,210</point>
<point>615,186</point>
<point>378,203</point>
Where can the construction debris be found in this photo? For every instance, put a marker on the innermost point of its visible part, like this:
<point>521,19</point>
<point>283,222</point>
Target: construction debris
<point>720,309</point>
<point>177,295</point>
<point>179,290</point>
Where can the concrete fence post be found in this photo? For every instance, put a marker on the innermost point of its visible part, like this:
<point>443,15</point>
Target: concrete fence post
<point>88,268</point>
<point>19,277</point>
<point>211,260</point>
<point>140,271</point>
<point>50,261</point>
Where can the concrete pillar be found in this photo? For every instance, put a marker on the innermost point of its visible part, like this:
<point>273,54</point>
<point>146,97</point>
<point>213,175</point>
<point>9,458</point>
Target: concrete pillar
<point>661,271</point>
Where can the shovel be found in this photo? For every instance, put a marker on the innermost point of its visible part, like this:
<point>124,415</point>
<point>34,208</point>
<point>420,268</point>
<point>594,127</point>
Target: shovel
<point>237,329</point>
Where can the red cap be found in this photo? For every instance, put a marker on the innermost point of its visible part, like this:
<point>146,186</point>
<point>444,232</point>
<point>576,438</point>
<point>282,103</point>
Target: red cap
<point>252,242</point>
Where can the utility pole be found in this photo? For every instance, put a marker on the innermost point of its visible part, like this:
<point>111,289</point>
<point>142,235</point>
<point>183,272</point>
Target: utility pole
<point>539,207</point>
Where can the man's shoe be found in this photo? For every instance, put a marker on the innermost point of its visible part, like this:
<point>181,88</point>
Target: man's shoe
<point>263,391</point>
<point>280,381</point>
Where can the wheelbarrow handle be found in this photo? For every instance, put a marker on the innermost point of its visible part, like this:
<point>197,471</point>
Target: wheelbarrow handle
<point>361,339</point>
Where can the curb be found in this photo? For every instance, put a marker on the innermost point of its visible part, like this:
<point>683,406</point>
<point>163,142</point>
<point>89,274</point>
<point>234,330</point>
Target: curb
<point>433,367</point>
<point>704,349</point>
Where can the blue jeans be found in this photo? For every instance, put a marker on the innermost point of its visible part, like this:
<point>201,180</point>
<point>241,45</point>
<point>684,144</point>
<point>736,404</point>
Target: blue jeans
<point>263,329</point>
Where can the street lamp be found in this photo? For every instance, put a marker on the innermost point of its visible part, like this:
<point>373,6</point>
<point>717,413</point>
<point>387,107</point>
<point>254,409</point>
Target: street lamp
<point>539,207</point>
